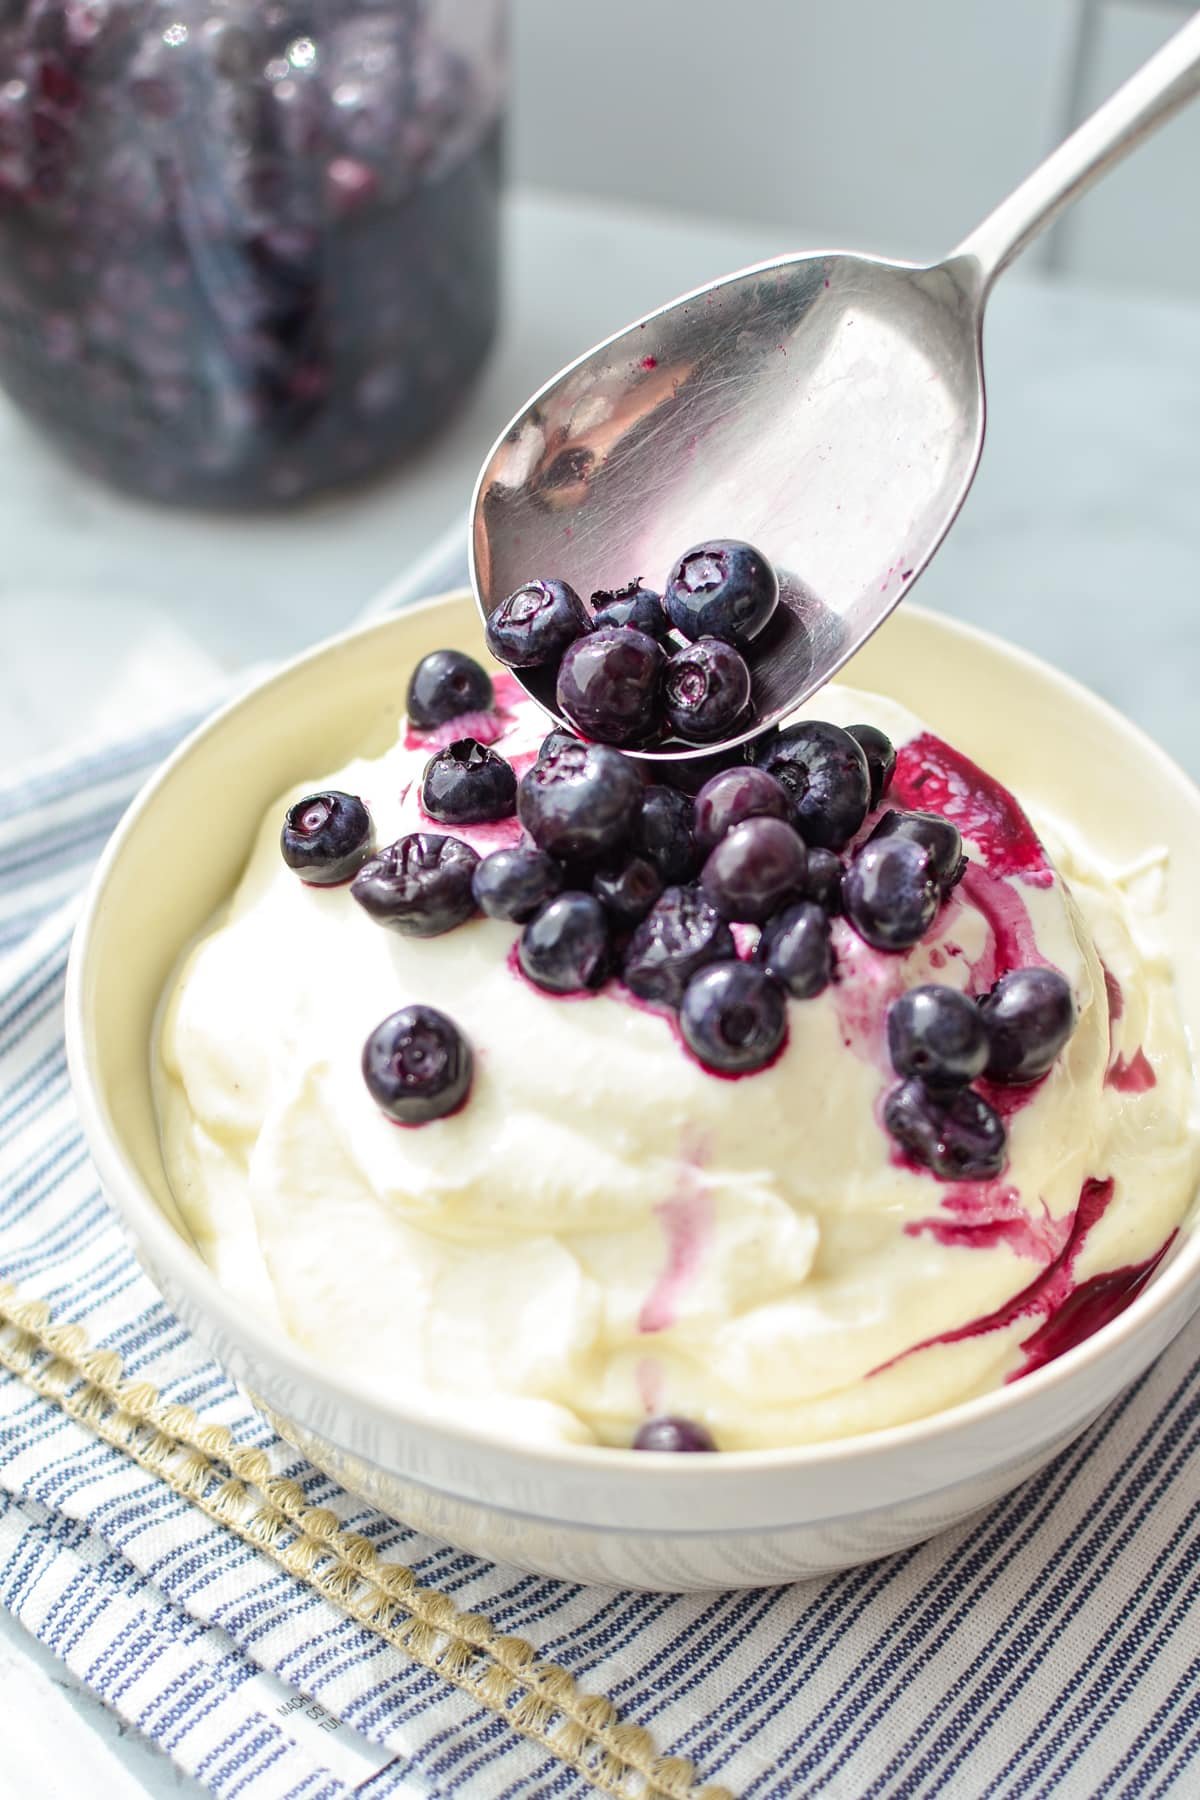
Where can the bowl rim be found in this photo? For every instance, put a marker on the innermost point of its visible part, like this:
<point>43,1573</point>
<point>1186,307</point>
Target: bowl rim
<point>147,1223</point>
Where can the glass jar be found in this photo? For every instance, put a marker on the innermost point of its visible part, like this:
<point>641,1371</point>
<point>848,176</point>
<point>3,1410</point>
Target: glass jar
<point>248,248</point>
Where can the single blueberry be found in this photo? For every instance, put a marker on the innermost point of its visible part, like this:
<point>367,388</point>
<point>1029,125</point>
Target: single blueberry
<point>939,836</point>
<point>823,881</point>
<point>417,1065</point>
<point>628,893</point>
<point>444,685</point>
<point>632,605</point>
<point>733,795</point>
<point>581,800</point>
<point>468,784</point>
<point>663,834</point>
<point>1029,1015</point>
<point>610,685</point>
<point>953,1131</point>
<point>938,1034</point>
<point>565,946</point>
<point>880,753</point>
<point>513,883</point>
<point>722,589</point>
<point>673,1434</point>
<point>890,893</point>
<point>827,777</point>
<point>795,949</point>
<point>733,1017</point>
<point>534,625</point>
<point>420,885</point>
<point>326,837</point>
<point>754,870</point>
<point>679,935</point>
<point>706,692</point>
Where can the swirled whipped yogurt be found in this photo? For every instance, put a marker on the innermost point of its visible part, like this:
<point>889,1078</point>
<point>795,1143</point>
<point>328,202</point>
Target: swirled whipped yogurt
<point>607,1230</point>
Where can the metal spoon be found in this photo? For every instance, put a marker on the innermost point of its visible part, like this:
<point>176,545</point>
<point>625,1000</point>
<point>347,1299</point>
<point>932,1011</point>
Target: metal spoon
<point>829,408</point>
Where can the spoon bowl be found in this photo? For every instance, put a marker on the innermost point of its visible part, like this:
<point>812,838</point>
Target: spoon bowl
<point>828,408</point>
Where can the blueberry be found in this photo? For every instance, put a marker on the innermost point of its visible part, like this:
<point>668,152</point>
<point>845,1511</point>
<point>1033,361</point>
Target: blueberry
<point>880,753</point>
<point>610,685</point>
<point>512,884</point>
<point>942,839</point>
<point>417,1065</point>
<point>627,894</point>
<point>663,834</point>
<point>754,869</point>
<point>326,837</point>
<point>733,795</point>
<point>679,935</point>
<point>556,740</point>
<point>823,881</point>
<point>827,777</point>
<point>467,784</point>
<point>938,1034</point>
<point>671,1434</point>
<point>795,949</point>
<point>722,589</point>
<point>565,946</point>
<point>535,624</point>
<point>890,893</point>
<point>733,1017</point>
<point>633,605</point>
<point>420,885</point>
<point>444,685</point>
<point>1029,1015</point>
<point>707,690</point>
<point>582,800</point>
<point>953,1132</point>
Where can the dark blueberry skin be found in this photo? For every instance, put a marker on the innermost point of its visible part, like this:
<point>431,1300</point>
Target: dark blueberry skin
<point>733,1017</point>
<point>1029,1015</point>
<point>512,884</point>
<point>627,894</point>
<point>535,624</point>
<point>880,753</point>
<point>444,685</point>
<point>610,685</point>
<point>420,885</point>
<point>727,799</point>
<point>581,801</point>
<point>326,837</point>
<point>823,881</point>
<point>826,774</point>
<point>890,893</point>
<point>672,1434</point>
<point>722,589</point>
<point>664,834</point>
<point>565,947</point>
<point>679,935</point>
<point>555,740</point>
<point>938,1034</point>
<point>417,1065</point>
<point>634,605</point>
<point>755,869</point>
<point>795,949</point>
<point>942,839</point>
<point>953,1131</point>
<point>706,692</point>
<point>468,784</point>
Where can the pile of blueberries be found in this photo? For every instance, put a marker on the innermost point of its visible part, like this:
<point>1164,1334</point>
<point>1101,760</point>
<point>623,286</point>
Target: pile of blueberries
<point>639,880</point>
<point>644,665</point>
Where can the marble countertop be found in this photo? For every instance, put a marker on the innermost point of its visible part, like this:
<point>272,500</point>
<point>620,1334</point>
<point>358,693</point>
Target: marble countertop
<point>1080,540</point>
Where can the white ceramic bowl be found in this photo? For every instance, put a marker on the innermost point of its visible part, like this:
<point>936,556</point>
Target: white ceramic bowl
<point>590,1513</point>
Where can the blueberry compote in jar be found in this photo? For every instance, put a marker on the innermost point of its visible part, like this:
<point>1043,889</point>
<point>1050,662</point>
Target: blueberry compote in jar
<point>248,248</point>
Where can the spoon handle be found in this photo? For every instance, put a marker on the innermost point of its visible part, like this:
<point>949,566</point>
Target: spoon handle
<point>1147,100</point>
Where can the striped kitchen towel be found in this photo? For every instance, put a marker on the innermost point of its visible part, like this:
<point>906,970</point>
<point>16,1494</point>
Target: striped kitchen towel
<point>276,1637</point>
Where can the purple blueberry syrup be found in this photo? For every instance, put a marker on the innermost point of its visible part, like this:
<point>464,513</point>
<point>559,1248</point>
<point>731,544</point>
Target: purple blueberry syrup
<point>246,252</point>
